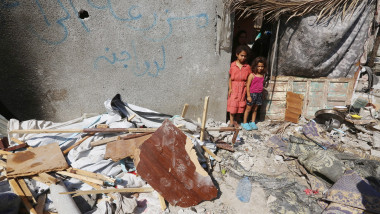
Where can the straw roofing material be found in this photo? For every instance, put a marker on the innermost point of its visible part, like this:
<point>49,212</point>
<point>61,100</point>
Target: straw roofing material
<point>273,9</point>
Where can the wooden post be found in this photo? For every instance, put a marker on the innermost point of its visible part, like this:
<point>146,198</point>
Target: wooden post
<point>204,116</point>
<point>184,110</point>
<point>18,191</point>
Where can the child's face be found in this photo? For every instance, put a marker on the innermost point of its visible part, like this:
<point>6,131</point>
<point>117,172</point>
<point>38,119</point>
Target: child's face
<point>260,67</point>
<point>242,56</point>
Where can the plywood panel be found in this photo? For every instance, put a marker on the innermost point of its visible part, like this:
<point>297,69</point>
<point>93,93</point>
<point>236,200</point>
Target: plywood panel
<point>41,159</point>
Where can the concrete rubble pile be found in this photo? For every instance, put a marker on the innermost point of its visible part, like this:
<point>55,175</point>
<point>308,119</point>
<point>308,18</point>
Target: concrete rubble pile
<point>134,160</point>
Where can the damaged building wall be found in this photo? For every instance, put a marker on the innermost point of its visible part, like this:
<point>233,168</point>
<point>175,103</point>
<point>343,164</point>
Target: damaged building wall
<point>58,57</point>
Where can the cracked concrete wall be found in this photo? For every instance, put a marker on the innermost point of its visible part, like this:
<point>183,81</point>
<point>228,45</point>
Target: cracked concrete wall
<point>156,54</point>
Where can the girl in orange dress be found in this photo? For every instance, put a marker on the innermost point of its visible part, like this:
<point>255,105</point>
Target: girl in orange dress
<point>239,72</point>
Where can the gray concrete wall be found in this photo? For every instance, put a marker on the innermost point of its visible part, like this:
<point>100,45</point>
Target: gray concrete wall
<point>156,54</point>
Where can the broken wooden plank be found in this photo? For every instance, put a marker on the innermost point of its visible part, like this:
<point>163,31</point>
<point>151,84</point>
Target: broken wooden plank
<point>121,149</point>
<point>81,177</point>
<point>91,174</point>
<point>66,151</point>
<point>18,191</point>
<point>162,202</point>
<point>40,159</point>
<point>2,152</point>
<point>184,110</point>
<point>41,204</point>
<point>211,153</point>
<point>45,178</point>
<point>204,116</point>
<point>294,106</point>
<point>101,191</point>
<point>177,176</point>
<point>24,187</point>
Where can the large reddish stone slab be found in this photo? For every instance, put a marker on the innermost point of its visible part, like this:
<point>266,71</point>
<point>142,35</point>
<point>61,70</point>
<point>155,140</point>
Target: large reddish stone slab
<point>168,162</point>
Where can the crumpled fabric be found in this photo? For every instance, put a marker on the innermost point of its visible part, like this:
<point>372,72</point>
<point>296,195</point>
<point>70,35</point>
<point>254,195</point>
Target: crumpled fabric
<point>104,207</point>
<point>323,163</point>
<point>329,48</point>
<point>124,204</point>
<point>354,191</point>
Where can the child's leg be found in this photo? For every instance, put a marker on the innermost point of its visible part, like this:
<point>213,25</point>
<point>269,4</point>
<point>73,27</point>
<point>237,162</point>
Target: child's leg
<point>255,107</point>
<point>246,113</point>
<point>232,119</point>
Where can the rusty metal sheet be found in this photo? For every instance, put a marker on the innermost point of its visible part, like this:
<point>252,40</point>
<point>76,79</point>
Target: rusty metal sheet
<point>168,162</point>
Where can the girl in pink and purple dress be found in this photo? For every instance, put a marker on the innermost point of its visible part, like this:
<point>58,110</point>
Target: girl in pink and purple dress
<point>255,85</point>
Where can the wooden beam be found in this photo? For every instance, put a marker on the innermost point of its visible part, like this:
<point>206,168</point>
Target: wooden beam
<point>45,178</point>
<point>204,116</point>
<point>162,202</point>
<point>41,204</point>
<point>2,152</point>
<point>91,174</point>
<point>211,153</point>
<point>81,177</point>
<point>18,191</point>
<point>184,110</point>
<point>26,190</point>
<point>101,191</point>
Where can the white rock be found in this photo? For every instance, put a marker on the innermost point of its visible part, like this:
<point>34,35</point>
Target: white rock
<point>375,153</point>
<point>271,199</point>
<point>279,158</point>
<point>376,140</point>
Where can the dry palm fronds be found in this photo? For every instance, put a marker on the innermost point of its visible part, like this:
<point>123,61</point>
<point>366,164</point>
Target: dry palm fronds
<point>273,9</point>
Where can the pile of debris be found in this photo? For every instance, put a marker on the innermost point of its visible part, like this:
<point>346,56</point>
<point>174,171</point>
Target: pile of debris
<point>121,165</point>
<point>139,161</point>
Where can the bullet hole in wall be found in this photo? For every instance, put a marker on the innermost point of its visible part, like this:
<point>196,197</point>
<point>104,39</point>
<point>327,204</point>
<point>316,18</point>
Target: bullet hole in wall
<point>83,14</point>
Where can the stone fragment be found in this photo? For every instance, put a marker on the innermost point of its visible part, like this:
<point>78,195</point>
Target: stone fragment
<point>168,162</point>
<point>375,153</point>
<point>376,140</point>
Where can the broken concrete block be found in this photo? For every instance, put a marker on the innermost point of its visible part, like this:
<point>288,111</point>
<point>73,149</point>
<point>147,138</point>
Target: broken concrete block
<point>121,149</point>
<point>41,159</point>
<point>168,162</point>
<point>376,140</point>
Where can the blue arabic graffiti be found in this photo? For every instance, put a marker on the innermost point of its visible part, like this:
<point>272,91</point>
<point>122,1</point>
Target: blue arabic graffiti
<point>124,56</point>
<point>60,22</point>
<point>133,19</point>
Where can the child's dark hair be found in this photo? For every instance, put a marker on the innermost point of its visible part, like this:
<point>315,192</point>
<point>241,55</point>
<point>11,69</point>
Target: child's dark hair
<point>241,48</point>
<point>256,61</point>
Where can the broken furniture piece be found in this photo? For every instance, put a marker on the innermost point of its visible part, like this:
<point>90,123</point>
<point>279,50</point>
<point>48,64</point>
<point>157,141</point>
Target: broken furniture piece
<point>319,93</point>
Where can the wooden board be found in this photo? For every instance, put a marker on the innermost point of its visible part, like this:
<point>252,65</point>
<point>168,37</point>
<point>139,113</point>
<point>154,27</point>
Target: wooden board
<point>293,106</point>
<point>168,162</point>
<point>319,93</point>
<point>121,149</point>
<point>41,159</point>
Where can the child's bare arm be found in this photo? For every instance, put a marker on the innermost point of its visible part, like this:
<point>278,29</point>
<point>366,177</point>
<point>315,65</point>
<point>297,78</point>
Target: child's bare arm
<point>248,85</point>
<point>229,86</point>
